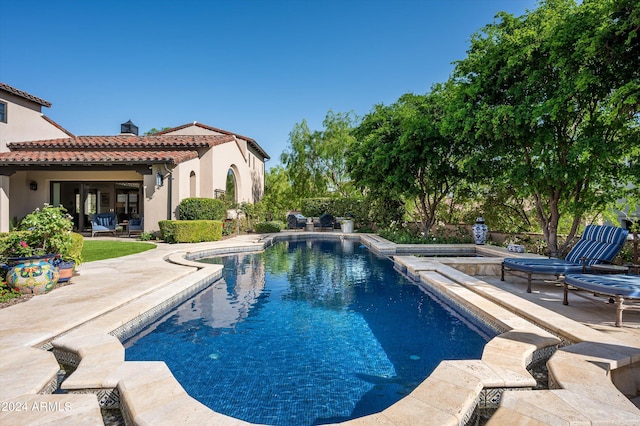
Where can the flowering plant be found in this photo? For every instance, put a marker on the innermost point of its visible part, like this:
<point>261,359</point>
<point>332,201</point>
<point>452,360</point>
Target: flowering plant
<point>44,231</point>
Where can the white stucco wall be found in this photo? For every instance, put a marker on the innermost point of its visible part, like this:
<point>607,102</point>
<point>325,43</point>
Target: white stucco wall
<point>225,157</point>
<point>247,164</point>
<point>181,182</point>
<point>25,122</point>
<point>156,200</point>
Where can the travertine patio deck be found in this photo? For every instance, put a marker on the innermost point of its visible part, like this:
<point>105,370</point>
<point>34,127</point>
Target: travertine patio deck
<point>78,318</point>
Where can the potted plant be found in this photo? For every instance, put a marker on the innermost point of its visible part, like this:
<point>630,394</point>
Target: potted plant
<point>29,252</point>
<point>346,225</point>
<point>69,257</point>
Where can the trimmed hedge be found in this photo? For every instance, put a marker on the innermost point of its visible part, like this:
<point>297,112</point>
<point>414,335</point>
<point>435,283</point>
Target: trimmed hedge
<point>267,227</point>
<point>201,209</point>
<point>190,231</point>
<point>337,207</point>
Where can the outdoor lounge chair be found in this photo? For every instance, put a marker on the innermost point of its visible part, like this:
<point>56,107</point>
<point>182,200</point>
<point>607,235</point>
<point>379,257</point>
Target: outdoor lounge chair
<point>326,221</point>
<point>296,221</point>
<point>619,287</point>
<point>599,244</point>
<point>103,222</point>
<point>135,226</point>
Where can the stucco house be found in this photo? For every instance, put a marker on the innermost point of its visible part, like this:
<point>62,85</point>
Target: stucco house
<point>127,174</point>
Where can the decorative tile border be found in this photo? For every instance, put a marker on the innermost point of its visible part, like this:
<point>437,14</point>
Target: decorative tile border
<point>486,324</point>
<point>51,387</point>
<point>66,358</point>
<point>131,328</point>
<point>490,398</point>
<point>107,398</point>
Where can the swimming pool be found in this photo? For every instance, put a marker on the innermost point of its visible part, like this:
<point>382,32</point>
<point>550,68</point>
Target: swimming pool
<point>307,332</point>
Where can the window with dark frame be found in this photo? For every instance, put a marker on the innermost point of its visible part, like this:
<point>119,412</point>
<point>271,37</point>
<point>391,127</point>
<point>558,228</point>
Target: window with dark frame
<point>3,112</point>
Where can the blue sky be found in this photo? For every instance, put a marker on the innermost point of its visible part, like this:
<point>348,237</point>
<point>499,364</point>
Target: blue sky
<point>253,67</point>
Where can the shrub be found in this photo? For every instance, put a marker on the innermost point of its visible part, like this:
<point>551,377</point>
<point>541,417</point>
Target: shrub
<point>201,209</point>
<point>7,293</point>
<point>267,227</point>
<point>74,249</point>
<point>15,244</point>
<point>439,235</point>
<point>229,227</point>
<point>147,236</point>
<point>532,243</point>
<point>50,230</point>
<point>190,231</point>
<point>337,207</point>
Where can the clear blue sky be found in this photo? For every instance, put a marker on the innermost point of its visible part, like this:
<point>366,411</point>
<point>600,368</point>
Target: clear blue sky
<point>253,67</point>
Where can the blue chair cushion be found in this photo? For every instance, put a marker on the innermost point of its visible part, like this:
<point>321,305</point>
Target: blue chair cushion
<point>107,221</point>
<point>598,244</point>
<point>543,266</point>
<point>611,285</point>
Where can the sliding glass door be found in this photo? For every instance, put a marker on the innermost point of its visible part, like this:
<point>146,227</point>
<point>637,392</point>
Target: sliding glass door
<point>84,199</point>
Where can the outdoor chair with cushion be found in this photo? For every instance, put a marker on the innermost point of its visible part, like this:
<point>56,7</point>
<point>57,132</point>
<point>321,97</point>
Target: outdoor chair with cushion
<point>135,226</point>
<point>296,221</point>
<point>618,287</point>
<point>103,222</point>
<point>326,221</point>
<point>598,244</point>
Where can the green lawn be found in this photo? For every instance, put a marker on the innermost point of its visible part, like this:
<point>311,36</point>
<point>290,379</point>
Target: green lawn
<point>107,249</point>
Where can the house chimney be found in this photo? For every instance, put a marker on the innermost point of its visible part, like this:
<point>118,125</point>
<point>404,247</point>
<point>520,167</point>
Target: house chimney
<point>128,128</point>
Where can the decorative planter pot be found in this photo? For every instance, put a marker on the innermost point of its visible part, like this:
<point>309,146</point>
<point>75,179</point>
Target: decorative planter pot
<point>66,270</point>
<point>347,226</point>
<point>516,248</point>
<point>480,231</point>
<point>32,275</point>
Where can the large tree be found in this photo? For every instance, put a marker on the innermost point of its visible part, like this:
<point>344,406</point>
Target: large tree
<point>278,196</point>
<point>551,100</point>
<point>315,160</point>
<point>403,151</point>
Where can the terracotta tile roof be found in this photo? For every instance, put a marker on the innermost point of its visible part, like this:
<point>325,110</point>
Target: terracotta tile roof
<point>23,94</point>
<point>69,157</point>
<point>126,141</point>
<point>111,150</point>
<point>203,126</point>
<point>217,130</point>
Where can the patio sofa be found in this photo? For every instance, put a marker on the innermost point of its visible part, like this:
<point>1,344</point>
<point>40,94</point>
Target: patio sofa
<point>598,244</point>
<point>103,223</point>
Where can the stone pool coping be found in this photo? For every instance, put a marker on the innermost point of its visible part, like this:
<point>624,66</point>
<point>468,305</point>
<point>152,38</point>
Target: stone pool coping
<point>108,297</point>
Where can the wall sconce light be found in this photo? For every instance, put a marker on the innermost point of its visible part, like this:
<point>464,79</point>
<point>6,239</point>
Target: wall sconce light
<point>159,179</point>
<point>33,186</point>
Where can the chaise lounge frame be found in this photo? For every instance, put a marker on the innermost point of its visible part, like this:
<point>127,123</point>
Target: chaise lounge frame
<point>618,287</point>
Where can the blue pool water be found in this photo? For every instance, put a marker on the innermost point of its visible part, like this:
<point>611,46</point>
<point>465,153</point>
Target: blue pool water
<point>308,332</point>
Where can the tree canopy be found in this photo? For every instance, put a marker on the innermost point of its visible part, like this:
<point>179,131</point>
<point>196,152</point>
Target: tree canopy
<point>315,160</point>
<point>551,101</point>
<point>402,150</point>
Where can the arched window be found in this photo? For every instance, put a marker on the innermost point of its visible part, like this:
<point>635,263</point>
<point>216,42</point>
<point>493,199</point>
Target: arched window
<point>230,190</point>
<point>192,184</point>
